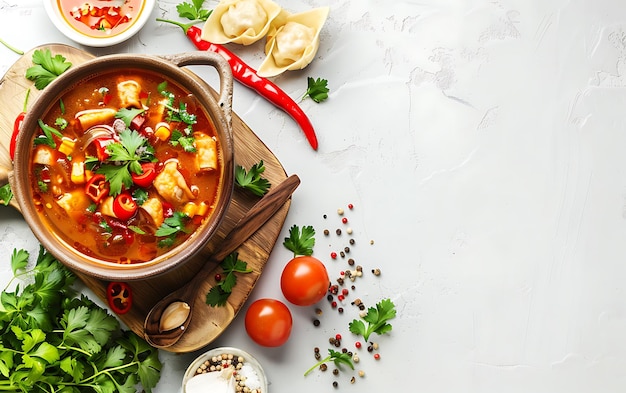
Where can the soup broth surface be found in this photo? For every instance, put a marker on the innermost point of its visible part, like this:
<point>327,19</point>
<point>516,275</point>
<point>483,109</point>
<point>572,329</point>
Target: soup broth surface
<point>125,167</point>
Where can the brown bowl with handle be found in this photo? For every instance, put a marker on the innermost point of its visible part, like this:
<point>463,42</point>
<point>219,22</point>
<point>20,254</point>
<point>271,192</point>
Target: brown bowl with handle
<point>124,165</point>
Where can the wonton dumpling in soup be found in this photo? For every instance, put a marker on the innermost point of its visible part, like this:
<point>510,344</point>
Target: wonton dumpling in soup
<point>240,21</point>
<point>293,41</point>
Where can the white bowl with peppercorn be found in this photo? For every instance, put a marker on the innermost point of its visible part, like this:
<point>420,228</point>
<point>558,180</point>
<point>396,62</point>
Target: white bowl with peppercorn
<point>225,370</point>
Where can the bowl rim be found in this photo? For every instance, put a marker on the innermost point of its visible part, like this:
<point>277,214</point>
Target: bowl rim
<point>58,20</point>
<point>20,174</point>
<point>256,365</point>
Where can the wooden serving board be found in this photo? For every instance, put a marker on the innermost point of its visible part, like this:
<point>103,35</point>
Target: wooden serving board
<point>207,322</point>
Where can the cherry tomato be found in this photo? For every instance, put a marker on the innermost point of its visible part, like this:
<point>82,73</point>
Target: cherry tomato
<point>119,297</point>
<point>268,322</point>
<point>304,281</point>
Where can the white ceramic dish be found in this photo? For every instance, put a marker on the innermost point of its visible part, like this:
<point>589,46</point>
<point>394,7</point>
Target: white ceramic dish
<point>63,23</point>
<point>249,360</point>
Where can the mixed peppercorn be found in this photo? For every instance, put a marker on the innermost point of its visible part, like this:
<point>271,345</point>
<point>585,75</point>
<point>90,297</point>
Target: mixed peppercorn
<point>338,296</point>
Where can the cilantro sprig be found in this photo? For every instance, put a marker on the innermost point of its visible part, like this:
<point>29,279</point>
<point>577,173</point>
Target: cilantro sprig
<point>252,180</point>
<point>193,10</point>
<point>339,358</point>
<point>185,137</point>
<point>300,242</point>
<point>125,157</point>
<point>218,295</point>
<point>6,194</point>
<point>51,339</point>
<point>46,67</point>
<point>317,89</point>
<point>375,321</point>
<point>170,228</point>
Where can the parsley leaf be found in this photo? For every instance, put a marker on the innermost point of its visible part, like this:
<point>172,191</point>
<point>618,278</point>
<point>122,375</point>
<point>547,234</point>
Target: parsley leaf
<point>170,228</point>
<point>218,295</point>
<point>300,243</point>
<point>6,194</point>
<point>140,196</point>
<point>252,180</point>
<point>19,260</point>
<point>46,68</point>
<point>317,89</point>
<point>127,115</point>
<point>125,157</point>
<point>193,11</point>
<point>186,142</point>
<point>376,319</point>
<point>61,123</point>
<point>337,357</point>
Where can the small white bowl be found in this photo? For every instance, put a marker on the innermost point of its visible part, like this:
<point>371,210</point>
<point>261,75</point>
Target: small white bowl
<point>83,34</point>
<point>249,360</point>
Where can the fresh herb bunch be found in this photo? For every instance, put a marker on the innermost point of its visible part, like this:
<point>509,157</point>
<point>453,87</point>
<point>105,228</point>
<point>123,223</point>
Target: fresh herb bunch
<point>300,243</point>
<point>218,295</point>
<point>51,340</point>
<point>46,67</point>
<point>252,180</point>
<point>337,357</point>
<point>375,321</point>
<point>317,89</point>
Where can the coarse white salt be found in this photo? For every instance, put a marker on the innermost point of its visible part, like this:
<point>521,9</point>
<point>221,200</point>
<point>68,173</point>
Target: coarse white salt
<point>252,378</point>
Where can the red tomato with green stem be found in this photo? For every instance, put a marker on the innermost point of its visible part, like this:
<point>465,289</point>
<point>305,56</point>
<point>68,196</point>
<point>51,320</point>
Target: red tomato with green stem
<point>304,281</point>
<point>268,322</point>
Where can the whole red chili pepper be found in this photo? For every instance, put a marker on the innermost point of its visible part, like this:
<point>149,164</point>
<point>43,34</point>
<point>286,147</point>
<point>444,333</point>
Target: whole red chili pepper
<point>17,125</point>
<point>248,76</point>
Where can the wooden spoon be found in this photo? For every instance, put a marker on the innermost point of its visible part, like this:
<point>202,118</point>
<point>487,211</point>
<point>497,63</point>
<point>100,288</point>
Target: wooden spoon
<point>254,219</point>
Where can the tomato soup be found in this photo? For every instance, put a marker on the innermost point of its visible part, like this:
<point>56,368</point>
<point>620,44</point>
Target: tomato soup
<point>126,166</point>
<point>100,18</point>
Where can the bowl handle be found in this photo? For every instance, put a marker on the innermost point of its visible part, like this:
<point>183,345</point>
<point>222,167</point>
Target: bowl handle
<point>225,101</point>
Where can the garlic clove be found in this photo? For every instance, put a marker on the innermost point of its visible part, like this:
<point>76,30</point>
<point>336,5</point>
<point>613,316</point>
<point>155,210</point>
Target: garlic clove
<point>174,316</point>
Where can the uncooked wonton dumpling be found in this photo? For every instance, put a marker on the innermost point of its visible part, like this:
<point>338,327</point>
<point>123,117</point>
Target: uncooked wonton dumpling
<point>292,41</point>
<point>240,21</point>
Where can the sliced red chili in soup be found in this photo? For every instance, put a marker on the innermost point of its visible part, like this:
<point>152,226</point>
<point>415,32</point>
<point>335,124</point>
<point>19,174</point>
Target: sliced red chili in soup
<point>97,188</point>
<point>147,176</point>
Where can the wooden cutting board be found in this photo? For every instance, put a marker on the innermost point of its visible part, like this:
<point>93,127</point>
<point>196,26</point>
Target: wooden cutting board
<point>207,322</point>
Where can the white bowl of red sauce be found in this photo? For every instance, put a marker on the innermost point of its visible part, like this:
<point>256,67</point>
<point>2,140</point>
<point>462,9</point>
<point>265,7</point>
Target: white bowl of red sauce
<point>99,23</point>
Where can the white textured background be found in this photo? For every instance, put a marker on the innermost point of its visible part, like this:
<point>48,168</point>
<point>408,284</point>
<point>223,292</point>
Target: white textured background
<point>482,144</point>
